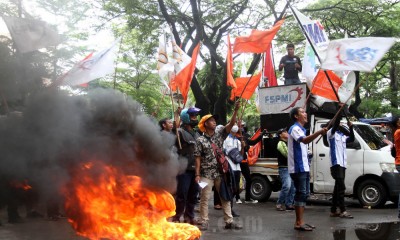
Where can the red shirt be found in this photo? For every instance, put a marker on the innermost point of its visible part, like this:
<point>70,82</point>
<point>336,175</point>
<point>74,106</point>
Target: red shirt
<point>397,144</point>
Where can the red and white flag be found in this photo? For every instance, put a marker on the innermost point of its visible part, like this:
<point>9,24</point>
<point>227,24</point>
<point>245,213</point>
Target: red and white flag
<point>356,54</point>
<point>30,34</point>
<point>269,70</point>
<point>230,81</point>
<point>94,66</point>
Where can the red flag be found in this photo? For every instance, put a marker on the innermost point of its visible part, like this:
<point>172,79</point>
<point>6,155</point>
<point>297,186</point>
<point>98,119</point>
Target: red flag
<point>184,77</point>
<point>229,66</point>
<point>322,87</point>
<point>258,41</point>
<point>250,88</point>
<point>269,70</point>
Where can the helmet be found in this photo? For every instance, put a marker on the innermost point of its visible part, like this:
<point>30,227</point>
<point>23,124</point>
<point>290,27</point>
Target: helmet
<point>193,111</point>
<point>185,116</point>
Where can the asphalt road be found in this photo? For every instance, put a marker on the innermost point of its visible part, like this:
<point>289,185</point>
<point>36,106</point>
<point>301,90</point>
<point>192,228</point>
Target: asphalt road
<point>260,221</point>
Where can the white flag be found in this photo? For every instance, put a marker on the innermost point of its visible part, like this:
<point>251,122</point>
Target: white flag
<point>30,34</point>
<point>315,32</point>
<point>310,64</point>
<point>164,65</point>
<point>356,54</point>
<point>92,67</point>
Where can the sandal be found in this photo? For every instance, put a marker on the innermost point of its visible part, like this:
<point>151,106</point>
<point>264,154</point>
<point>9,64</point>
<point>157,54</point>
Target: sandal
<point>310,225</point>
<point>345,215</point>
<point>303,227</point>
<point>218,207</point>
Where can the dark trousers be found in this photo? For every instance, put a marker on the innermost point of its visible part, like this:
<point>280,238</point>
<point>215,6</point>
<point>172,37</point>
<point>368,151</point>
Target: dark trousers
<point>236,175</point>
<point>338,173</point>
<point>246,174</point>
<point>186,195</point>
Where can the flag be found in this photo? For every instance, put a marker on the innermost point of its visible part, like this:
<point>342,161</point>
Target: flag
<point>30,34</point>
<point>94,66</point>
<point>254,151</point>
<point>164,66</point>
<point>258,41</point>
<point>321,86</point>
<point>229,66</point>
<point>310,68</point>
<point>269,70</point>
<point>356,54</point>
<point>315,32</point>
<point>184,70</point>
<point>250,88</point>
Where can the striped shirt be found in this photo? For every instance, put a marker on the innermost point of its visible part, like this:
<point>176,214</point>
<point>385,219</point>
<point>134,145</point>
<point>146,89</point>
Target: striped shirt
<point>297,151</point>
<point>337,148</point>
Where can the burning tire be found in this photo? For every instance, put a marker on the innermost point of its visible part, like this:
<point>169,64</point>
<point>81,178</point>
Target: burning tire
<point>260,188</point>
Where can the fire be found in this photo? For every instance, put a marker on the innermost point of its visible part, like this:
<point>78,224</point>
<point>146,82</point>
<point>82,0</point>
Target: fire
<point>104,203</point>
<point>21,185</point>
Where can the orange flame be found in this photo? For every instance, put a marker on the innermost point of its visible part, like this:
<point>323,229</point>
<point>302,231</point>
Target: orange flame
<point>22,185</point>
<point>113,205</point>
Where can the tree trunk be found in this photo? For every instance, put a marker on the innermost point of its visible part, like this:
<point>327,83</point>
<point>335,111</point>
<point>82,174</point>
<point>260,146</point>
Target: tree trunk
<point>393,85</point>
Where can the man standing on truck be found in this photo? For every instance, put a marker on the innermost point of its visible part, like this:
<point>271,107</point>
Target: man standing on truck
<point>298,163</point>
<point>291,65</point>
<point>338,136</point>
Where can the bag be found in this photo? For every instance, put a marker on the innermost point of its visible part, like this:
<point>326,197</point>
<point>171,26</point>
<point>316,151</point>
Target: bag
<point>242,183</point>
<point>235,155</point>
<point>225,190</point>
<point>223,164</point>
<point>393,151</point>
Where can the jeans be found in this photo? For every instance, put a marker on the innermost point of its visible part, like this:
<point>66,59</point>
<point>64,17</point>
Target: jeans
<point>286,196</point>
<point>186,195</point>
<point>338,173</point>
<point>302,184</point>
<point>290,81</point>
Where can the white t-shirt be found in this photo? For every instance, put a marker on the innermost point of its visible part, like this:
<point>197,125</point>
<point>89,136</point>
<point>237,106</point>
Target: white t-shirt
<point>337,148</point>
<point>229,143</point>
<point>297,151</point>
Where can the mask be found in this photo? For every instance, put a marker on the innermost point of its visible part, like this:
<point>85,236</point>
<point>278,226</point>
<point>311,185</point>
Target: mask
<point>193,123</point>
<point>235,129</point>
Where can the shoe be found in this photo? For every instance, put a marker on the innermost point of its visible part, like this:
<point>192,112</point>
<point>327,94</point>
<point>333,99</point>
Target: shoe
<point>251,201</point>
<point>345,215</point>
<point>289,208</point>
<point>218,207</point>
<point>203,226</point>
<point>190,221</point>
<point>279,208</point>
<point>303,227</point>
<point>233,225</point>
<point>234,214</point>
<point>239,201</point>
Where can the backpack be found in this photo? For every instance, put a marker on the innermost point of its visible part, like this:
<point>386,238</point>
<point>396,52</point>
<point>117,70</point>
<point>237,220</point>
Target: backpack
<point>235,155</point>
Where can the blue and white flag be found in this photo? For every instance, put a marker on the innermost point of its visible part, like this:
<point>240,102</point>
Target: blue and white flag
<point>356,54</point>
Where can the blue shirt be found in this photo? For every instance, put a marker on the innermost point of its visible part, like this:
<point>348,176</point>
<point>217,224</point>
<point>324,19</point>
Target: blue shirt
<point>297,151</point>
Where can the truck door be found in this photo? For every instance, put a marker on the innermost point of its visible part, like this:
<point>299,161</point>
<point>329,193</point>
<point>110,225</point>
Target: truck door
<point>323,182</point>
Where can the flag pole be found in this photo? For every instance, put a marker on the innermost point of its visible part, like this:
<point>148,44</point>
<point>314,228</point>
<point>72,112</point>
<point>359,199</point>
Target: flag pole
<point>116,61</point>
<point>316,54</point>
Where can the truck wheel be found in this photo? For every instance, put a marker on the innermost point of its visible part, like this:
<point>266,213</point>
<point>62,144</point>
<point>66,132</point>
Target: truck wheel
<point>371,193</point>
<point>260,188</point>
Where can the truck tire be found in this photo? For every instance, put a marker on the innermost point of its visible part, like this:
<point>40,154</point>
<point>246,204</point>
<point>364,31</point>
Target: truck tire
<point>260,188</point>
<point>371,193</point>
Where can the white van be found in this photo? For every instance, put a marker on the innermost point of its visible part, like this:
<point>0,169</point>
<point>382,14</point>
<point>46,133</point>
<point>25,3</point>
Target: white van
<point>371,176</point>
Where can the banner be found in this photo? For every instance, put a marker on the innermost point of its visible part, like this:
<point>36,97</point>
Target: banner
<point>356,54</point>
<point>164,65</point>
<point>258,41</point>
<point>282,99</point>
<point>30,34</point>
<point>92,67</point>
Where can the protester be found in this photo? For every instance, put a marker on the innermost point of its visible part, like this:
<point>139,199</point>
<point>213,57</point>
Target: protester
<point>166,124</point>
<point>286,196</point>
<point>396,139</point>
<point>291,65</point>
<point>231,143</point>
<point>187,189</point>
<point>207,169</point>
<point>338,136</point>
<point>217,200</point>
<point>299,165</point>
<point>244,165</point>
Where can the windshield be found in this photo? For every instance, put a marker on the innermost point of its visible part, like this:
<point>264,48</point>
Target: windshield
<point>373,138</point>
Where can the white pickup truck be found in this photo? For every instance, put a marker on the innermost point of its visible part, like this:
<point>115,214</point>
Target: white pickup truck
<point>371,176</point>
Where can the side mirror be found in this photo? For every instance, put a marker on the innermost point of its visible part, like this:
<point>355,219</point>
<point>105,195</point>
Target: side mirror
<point>354,145</point>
